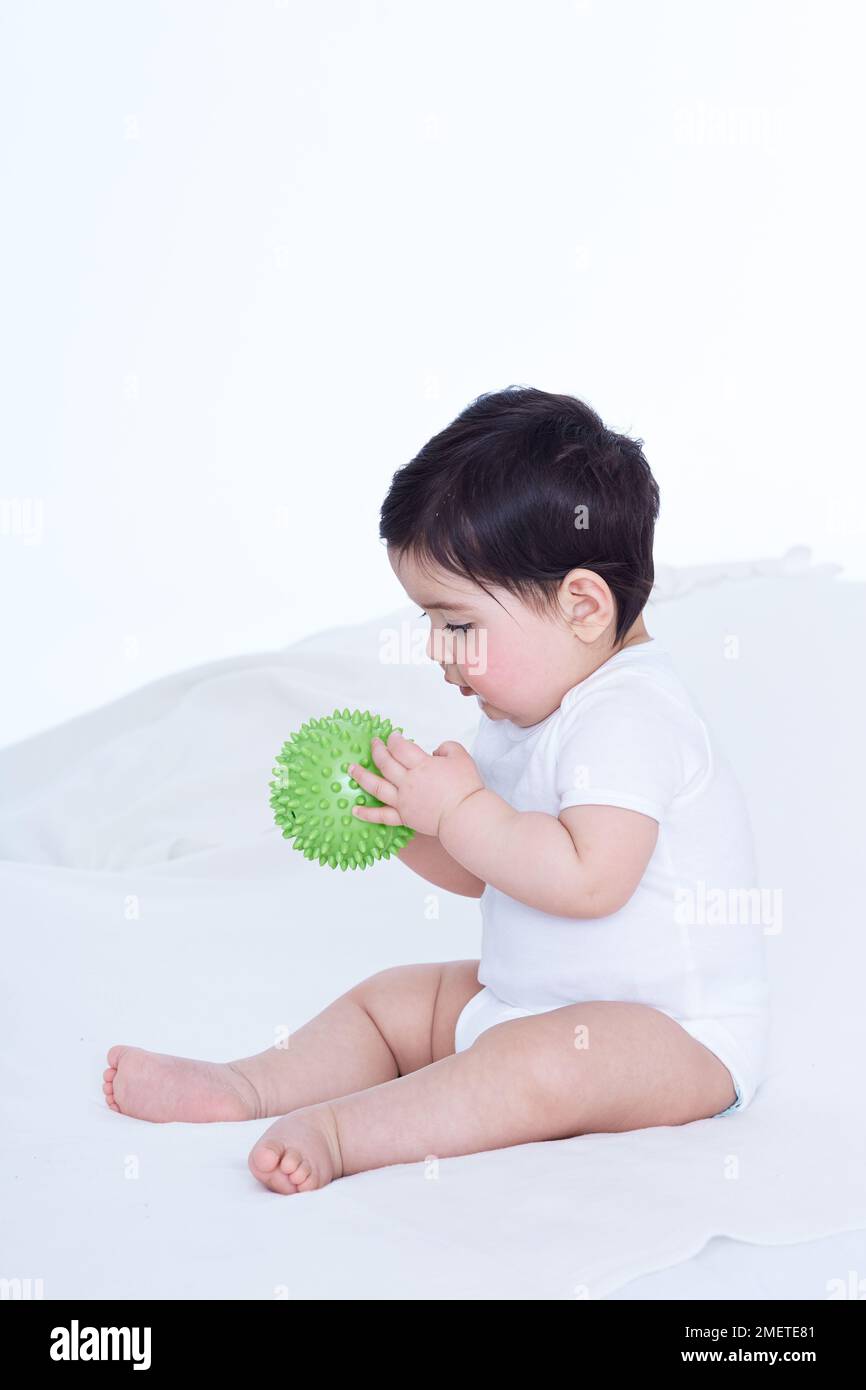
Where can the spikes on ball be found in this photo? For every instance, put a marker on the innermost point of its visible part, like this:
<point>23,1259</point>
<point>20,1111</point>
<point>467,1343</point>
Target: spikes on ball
<point>313,795</point>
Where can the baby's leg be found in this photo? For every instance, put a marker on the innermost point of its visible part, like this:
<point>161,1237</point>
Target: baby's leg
<point>385,1027</point>
<point>585,1068</point>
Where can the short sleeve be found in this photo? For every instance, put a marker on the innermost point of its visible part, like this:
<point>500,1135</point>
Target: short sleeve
<point>629,745</point>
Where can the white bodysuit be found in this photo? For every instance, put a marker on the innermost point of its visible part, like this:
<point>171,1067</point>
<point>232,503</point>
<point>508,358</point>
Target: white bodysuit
<point>690,940</point>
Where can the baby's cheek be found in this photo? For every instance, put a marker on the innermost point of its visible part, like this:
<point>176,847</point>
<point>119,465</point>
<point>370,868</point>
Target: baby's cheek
<point>496,674</point>
<point>480,657</point>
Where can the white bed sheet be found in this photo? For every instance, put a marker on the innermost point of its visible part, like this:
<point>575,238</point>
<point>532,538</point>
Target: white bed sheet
<point>157,805</point>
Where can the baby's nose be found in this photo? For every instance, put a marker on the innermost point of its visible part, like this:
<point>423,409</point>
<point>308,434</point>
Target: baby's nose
<point>440,648</point>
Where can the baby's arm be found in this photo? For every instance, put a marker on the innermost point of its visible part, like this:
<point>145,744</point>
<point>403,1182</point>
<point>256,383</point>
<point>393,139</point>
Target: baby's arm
<point>586,863</point>
<point>427,856</point>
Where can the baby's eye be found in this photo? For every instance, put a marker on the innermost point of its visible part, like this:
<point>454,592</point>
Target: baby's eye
<point>451,627</point>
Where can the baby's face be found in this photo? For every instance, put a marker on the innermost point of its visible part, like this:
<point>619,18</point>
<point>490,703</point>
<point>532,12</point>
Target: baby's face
<point>516,662</point>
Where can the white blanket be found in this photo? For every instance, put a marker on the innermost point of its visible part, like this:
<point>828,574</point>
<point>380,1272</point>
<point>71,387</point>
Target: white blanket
<point>147,898</point>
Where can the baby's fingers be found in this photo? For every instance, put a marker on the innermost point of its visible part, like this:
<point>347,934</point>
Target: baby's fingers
<point>379,815</point>
<point>374,784</point>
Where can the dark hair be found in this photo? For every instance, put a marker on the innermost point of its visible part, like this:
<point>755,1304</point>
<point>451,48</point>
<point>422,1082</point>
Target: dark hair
<point>494,497</point>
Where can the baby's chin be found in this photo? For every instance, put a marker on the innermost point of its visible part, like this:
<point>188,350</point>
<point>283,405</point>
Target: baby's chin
<point>490,710</point>
<point>494,712</point>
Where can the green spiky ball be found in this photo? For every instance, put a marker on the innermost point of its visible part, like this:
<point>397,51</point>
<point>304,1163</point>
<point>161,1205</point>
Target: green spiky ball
<point>313,795</point>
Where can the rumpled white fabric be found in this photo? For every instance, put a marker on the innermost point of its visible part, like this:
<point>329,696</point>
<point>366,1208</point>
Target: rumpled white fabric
<point>148,898</point>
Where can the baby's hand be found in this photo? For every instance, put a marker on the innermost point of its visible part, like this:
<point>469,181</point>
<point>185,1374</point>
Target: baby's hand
<point>418,788</point>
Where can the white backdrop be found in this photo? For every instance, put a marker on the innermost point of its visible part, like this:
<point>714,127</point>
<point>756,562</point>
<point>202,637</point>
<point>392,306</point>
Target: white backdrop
<point>256,253</point>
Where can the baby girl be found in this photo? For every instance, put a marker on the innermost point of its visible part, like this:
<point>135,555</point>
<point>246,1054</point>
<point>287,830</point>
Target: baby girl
<point>590,815</point>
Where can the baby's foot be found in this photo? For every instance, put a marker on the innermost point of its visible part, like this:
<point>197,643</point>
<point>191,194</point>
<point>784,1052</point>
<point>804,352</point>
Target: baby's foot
<point>154,1086</point>
<point>300,1152</point>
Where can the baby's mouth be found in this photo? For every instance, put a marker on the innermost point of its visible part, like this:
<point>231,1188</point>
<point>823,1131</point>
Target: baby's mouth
<point>466,690</point>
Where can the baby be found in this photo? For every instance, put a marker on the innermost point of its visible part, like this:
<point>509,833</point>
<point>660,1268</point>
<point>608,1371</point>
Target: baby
<point>594,818</point>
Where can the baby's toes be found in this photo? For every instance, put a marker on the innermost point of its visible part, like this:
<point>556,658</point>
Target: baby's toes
<point>279,1183</point>
<point>263,1163</point>
<point>295,1166</point>
<point>265,1156</point>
